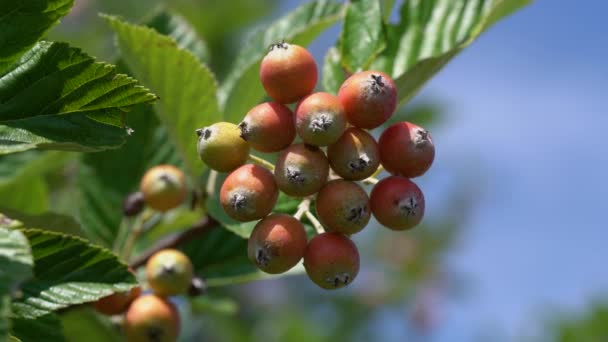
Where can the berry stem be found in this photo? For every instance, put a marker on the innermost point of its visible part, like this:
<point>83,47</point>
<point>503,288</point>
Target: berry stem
<point>377,172</point>
<point>262,162</point>
<point>211,182</point>
<point>303,207</point>
<point>370,180</point>
<point>318,226</point>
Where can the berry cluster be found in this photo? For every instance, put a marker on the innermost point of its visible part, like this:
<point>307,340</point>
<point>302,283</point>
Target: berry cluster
<point>332,153</point>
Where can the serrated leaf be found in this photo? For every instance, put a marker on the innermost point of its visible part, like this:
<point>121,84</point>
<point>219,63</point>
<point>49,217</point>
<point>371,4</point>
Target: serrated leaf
<point>68,271</point>
<point>48,221</point>
<point>45,328</point>
<point>333,74</point>
<point>242,89</point>
<point>176,27</point>
<point>431,33</point>
<point>363,35</point>
<point>57,97</point>
<point>24,22</point>
<point>187,88</point>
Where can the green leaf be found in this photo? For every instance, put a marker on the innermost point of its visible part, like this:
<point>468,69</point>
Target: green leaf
<point>45,328</point>
<point>24,22</point>
<point>433,32</point>
<point>363,35</point>
<point>29,196</point>
<point>242,89</point>
<point>186,87</point>
<point>333,74</point>
<point>48,221</point>
<point>84,321</point>
<point>57,97</point>
<point>68,271</point>
<point>16,261</point>
<point>214,305</point>
<point>176,27</point>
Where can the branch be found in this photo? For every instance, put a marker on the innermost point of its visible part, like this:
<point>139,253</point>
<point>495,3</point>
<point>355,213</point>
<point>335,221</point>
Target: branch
<point>198,229</point>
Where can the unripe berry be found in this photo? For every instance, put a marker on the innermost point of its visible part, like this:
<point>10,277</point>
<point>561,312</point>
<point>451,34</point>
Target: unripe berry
<point>117,303</point>
<point>406,149</point>
<point>152,319</point>
<point>320,119</point>
<point>369,98</point>
<point>221,147</point>
<point>343,207</point>
<point>288,72</point>
<point>397,203</point>
<point>133,204</point>
<point>169,273</point>
<point>355,156</point>
<point>331,260</point>
<point>301,170</point>
<point>163,187</point>
<point>249,193</point>
<point>268,127</point>
<point>277,243</point>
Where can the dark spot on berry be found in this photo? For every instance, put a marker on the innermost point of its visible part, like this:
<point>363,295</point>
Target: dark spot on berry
<point>360,164</point>
<point>203,133</point>
<point>294,175</point>
<point>279,45</point>
<point>356,214</point>
<point>408,206</point>
<point>263,256</point>
<point>312,148</point>
<point>155,334</point>
<point>422,138</point>
<point>245,130</point>
<point>321,122</point>
<point>377,85</point>
<point>168,269</point>
<point>238,201</point>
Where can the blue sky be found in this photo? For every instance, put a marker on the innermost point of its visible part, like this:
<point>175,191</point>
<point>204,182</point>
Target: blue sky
<point>527,114</point>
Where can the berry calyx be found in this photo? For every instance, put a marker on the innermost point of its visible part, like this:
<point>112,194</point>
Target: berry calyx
<point>343,207</point>
<point>301,170</point>
<point>249,193</point>
<point>397,203</point>
<point>169,273</point>
<point>331,260</point>
<point>268,127</point>
<point>151,319</point>
<point>406,149</point>
<point>288,72</point>
<point>369,98</point>
<point>221,147</point>
<point>355,156</point>
<point>320,119</point>
<point>163,187</point>
<point>277,243</point>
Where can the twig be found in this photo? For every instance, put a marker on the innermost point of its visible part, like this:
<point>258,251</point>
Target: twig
<point>303,207</point>
<point>370,180</point>
<point>315,223</point>
<point>262,162</point>
<point>198,229</point>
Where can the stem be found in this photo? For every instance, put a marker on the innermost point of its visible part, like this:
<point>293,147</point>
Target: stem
<point>370,180</point>
<point>211,181</point>
<point>377,172</point>
<point>123,231</point>
<point>318,226</point>
<point>261,162</point>
<point>303,207</point>
<point>135,230</point>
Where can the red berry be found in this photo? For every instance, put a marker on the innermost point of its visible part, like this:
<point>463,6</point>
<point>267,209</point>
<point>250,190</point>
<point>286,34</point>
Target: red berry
<point>369,98</point>
<point>268,127</point>
<point>277,243</point>
<point>117,303</point>
<point>343,207</point>
<point>406,149</point>
<point>331,260</point>
<point>288,72</point>
<point>152,319</point>
<point>320,119</point>
<point>355,156</point>
<point>163,187</point>
<point>301,170</point>
<point>397,203</point>
<point>249,193</point>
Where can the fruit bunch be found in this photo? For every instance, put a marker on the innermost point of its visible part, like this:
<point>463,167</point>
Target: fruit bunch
<point>323,149</point>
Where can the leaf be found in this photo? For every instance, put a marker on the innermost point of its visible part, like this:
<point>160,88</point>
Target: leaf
<point>16,261</point>
<point>45,328</point>
<point>84,321</point>
<point>27,195</point>
<point>187,88</point>
<point>57,97</point>
<point>242,89</point>
<point>363,35</point>
<point>24,22</point>
<point>433,32</point>
<point>176,27</point>
<point>68,271</point>
<point>215,305</point>
<point>333,74</point>
<point>48,221</point>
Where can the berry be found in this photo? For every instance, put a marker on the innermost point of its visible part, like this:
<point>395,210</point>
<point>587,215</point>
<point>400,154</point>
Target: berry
<point>249,193</point>
<point>331,260</point>
<point>277,243</point>
<point>288,72</point>
<point>343,207</point>
<point>369,98</point>
<point>301,170</point>
<point>117,303</point>
<point>221,147</point>
<point>406,149</point>
<point>163,187</point>
<point>355,156</point>
<point>320,119</point>
<point>133,204</point>
<point>397,203</point>
<point>152,319</point>
<point>169,273</point>
<point>268,127</point>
